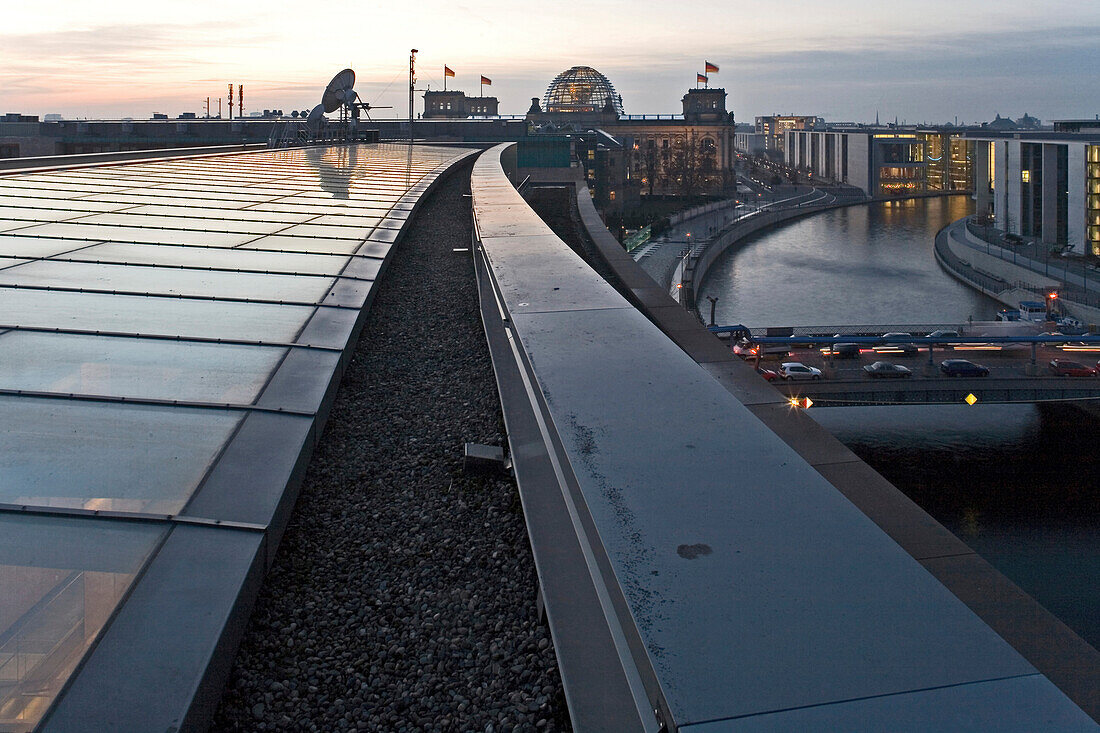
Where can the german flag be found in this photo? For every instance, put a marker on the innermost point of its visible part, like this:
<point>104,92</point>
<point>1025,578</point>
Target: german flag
<point>711,68</point>
<point>700,79</point>
<point>448,71</point>
<point>486,81</point>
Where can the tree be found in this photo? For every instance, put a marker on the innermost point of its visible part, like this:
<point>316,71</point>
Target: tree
<point>652,163</point>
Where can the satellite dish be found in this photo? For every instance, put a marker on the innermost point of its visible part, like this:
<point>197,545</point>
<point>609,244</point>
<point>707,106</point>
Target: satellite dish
<point>316,115</point>
<point>339,91</point>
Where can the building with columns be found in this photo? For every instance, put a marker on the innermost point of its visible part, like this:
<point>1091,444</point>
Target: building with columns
<point>885,161</point>
<point>1044,185</point>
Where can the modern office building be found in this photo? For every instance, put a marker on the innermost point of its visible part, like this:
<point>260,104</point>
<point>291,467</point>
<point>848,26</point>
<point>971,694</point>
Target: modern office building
<point>774,128</point>
<point>1042,185</point>
<point>885,161</point>
<point>750,142</point>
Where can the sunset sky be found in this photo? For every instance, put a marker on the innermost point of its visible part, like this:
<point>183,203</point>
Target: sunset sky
<point>929,61</point>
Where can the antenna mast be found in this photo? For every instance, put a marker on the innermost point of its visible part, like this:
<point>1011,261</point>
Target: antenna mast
<point>412,88</point>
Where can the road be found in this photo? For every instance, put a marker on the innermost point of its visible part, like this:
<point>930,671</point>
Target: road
<point>1005,363</point>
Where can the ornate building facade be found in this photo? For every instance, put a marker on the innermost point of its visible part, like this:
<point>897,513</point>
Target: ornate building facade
<point>689,153</point>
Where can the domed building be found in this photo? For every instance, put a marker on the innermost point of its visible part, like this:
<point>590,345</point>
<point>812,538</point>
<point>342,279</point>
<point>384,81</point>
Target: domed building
<point>624,156</point>
<point>581,89</point>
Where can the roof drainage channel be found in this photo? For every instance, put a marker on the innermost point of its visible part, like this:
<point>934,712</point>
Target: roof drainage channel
<point>752,587</point>
<point>161,659</point>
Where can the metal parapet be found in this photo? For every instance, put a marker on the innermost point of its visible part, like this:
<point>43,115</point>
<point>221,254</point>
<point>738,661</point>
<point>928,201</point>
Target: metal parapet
<point>681,579</point>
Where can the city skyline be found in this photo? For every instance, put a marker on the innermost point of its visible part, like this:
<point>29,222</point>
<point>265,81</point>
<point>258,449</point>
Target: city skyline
<point>841,61</point>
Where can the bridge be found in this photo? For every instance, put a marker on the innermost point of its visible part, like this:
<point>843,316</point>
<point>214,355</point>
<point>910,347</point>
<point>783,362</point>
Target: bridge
<point>1017,366</point>
<point>706,558</point>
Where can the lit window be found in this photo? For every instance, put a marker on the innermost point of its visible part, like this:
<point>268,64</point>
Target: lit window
<point>1025,176</point>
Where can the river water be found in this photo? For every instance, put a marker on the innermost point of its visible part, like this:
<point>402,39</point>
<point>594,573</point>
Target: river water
<point>1018,483</point>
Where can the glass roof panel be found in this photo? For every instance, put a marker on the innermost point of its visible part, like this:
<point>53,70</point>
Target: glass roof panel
<point>169,280</point>
<point>135,368</point>
<point>239,258</point>
<point>152,315</point>
<point>103,233</point>
<point>62,580</point>
<point>17,246</point>
<point>18,214</point>
<point>160,221</point>
<point>335,232</point>
<point>304,244</point>
<point>55,202</point>
<point>215,212</point>
<point>107,456</point>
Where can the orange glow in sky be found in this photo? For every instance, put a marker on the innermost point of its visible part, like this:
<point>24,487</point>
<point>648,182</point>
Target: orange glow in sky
<point>840,60</point>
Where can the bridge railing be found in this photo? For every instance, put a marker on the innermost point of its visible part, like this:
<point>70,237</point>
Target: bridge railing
<point>847,332</point>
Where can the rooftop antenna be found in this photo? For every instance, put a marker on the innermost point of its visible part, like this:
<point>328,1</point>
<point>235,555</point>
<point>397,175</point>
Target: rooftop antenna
<point>412,88</point>
<point>339,94</point>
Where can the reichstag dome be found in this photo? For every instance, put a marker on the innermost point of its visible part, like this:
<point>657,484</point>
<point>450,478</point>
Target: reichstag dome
<point>581,89</point>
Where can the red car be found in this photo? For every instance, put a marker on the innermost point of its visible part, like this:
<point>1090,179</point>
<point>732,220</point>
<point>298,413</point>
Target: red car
<point>1067,368</point>
<point>767,374</point>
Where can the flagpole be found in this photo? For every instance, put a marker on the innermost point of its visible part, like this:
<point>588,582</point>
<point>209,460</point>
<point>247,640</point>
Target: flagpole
<point>444,77</point>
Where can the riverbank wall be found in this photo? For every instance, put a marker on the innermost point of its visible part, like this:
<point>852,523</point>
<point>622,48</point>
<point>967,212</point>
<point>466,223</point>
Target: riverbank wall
<point>1000,278</point>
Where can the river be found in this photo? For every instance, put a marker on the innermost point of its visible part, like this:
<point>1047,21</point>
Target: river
<point>1018,483</point>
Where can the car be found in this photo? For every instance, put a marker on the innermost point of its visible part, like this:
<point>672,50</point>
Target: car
<point>746,349</point>
<point>880,369</point>
<point>963,368</point>
<point>896,345</point>
<point>1054,336</point>
<point>1067,368</point>
<point>943,335</point>
<point>902,349</point>
<point>797,370</point>
<point>769,374</point>
<point>750,349</point>
<point>842,351</point>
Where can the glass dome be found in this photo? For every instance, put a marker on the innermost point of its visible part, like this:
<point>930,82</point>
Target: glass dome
<point>581,89</point>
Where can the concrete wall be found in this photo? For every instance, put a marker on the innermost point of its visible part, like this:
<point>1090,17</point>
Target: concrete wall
<point>1000,182</point>
<point>859,162</point>
<point>1050,194</point>
<point>983,197</point>
<point>1077,210</point>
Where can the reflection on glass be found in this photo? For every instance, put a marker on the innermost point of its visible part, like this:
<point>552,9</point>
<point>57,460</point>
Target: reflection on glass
<point>335,167</point>
<point>62,579</point>
<point>106,456</point>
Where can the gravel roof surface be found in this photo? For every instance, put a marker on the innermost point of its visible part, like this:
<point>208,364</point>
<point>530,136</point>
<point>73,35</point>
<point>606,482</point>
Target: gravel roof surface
<point>403,593</point>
